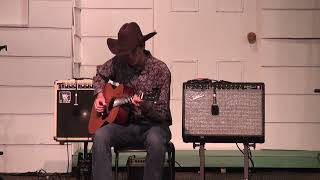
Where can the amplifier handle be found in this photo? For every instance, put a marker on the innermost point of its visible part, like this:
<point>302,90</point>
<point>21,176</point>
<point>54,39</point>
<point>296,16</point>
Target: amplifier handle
<point>317,90</point>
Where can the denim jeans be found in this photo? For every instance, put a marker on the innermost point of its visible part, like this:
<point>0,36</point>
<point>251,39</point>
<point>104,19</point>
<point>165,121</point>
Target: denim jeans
<point>153,136</point>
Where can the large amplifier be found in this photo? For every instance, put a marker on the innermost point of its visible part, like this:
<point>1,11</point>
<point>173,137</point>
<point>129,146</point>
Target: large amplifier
<point>73,103</point>
<point>223,112</point>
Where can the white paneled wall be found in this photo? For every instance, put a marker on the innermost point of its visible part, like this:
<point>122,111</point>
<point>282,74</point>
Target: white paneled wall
<point>189,69</point>
<point>26,99</point>
<point>291,23</point>
<point>290,4</point>
<point>114,4</point>
<point>230,5</point>
<point>292,108</point>
<point>50,13</point>
<point>94,50</point>
<point>26,129</point>
<point>185,5</point>
<point>48,70</point>
<point>14,12</point>
<point>292,136</point>
<point>231,70</point>
<point>291,80</point>
<point>28,158</point>
<point>107,22</point>
<point>88,71</point>
<point>38,34</point>
<point>289,53</point>
<point>36,42</point>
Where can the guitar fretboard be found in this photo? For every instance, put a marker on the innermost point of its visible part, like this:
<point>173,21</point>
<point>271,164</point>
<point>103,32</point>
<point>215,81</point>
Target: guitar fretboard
<point>121,101</point>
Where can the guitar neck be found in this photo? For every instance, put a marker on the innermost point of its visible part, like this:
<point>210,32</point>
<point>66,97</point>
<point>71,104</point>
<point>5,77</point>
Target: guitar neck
<point>127,100</point>
<point>121,101</point>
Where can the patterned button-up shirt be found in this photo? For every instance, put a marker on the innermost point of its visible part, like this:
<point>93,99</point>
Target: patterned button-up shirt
<point>155,74</point>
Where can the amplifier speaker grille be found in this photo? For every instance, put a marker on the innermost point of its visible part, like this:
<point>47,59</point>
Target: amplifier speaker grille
<point>240,118</point>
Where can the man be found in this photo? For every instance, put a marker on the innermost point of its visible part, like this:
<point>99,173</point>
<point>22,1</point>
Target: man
<point>148,122</point>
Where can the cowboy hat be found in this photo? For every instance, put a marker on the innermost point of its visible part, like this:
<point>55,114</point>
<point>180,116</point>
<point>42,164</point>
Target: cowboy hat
<point>129,37</point>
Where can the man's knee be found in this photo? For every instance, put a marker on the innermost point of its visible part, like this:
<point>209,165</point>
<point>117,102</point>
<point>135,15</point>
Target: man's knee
<point>101,137</point>
<point>156,142</point>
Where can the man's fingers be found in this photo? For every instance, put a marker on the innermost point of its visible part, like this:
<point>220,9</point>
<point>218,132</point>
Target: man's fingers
<point>135,103</point>
<point>99,106</point>
<point>136,100</point>
<point>100,109</point>
<point>102,103</point>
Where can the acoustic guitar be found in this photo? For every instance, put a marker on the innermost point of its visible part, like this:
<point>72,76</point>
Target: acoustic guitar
<point>114,112</point>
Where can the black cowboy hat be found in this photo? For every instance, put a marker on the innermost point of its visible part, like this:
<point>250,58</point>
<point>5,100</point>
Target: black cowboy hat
<point>129,37</point>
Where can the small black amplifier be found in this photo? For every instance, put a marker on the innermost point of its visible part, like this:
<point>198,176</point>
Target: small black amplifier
<point>223,112</point>
<point>135,168</point>
<point>73,103</point>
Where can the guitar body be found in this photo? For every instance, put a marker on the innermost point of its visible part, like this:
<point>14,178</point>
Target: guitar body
<point>116,114</point>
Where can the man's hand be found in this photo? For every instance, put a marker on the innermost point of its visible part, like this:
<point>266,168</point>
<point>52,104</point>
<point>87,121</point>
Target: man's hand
<point>100,103</point>
<point>137,99</point>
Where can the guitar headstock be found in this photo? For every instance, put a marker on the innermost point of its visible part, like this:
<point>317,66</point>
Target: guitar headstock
<point>152,96</point>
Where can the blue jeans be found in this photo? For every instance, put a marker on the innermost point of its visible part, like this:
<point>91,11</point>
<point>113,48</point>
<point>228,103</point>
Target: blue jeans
<point>153,136</point>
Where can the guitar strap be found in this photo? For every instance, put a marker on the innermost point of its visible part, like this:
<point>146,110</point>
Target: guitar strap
<point>103,77</point>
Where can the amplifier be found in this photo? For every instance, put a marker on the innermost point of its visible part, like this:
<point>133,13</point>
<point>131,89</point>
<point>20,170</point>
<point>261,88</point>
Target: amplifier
<point>73,103</point>
<point>223,112</point>
<point>135,168</point>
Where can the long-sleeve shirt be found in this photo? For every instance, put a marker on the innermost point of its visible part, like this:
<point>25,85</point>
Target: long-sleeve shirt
<point>155,74</point>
